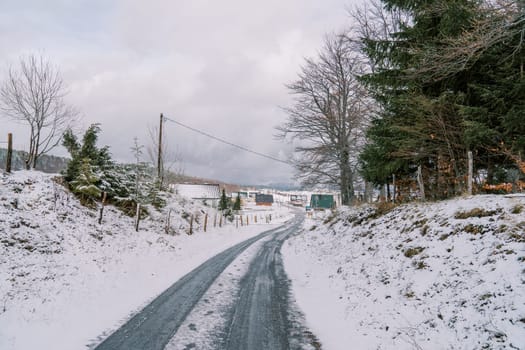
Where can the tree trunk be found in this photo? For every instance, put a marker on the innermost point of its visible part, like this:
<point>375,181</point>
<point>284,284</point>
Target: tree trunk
<point>35,151</point>
<point>470,172</point>
<point>347,186</point>
<point>490,171</point>
<point>368,192</point>
<point>9,152</point>
<point>421,183</point>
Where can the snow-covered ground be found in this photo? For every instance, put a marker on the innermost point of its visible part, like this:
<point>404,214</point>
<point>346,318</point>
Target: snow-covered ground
<point>447,275</point>
<point>65,280</point>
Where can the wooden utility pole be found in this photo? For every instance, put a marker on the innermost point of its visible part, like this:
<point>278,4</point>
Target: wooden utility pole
<point>9,152</point>
<point>159,158</point>
<point>167,228</point>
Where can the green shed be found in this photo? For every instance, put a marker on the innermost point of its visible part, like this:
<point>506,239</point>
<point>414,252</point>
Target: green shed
<point>322,201</point>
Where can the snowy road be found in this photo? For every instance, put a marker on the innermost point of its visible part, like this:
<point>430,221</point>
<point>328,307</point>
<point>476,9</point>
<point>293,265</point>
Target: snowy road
<point>259,316</point>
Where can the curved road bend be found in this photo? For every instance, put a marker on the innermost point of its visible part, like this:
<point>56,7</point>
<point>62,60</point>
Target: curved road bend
<point>155,325</point>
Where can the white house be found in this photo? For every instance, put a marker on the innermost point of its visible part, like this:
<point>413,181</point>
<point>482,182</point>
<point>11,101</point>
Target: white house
<point>209,194</point>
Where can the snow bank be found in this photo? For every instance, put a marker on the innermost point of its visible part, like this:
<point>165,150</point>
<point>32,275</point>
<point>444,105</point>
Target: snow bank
<point>65,280</point>
<point>447,275</point>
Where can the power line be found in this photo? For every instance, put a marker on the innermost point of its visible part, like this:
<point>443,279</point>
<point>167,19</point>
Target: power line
<point>227,142</point>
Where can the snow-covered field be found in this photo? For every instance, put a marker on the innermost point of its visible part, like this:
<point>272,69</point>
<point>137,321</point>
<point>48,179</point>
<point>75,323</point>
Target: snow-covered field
<point>447,275</point>
<point>65,280</point>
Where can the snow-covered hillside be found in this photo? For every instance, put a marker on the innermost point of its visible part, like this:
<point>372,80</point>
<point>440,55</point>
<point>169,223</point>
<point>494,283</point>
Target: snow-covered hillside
<point>447,275</point>
<point>65,279</point>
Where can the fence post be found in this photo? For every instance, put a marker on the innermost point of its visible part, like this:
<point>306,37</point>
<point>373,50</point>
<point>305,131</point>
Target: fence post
<point>104,194</point>
<point>205,221</point>
<point>137,219</point>
<point>9,152</point>
<point>241,220</point>
<point>470,172</point>
<point>215,220</point>
<point>191,225</point>
<point>167,228</point>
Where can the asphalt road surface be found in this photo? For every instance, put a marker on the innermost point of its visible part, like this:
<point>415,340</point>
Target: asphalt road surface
<point>261,318</point>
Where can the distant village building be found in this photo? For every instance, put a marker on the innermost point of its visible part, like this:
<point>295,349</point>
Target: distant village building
<point>242,194</point>
<point>298,200</point>
<point>322,201</point>
<point>209,194</point>
<point>263,199</point>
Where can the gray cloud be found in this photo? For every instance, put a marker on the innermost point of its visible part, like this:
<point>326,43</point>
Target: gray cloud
<point>217,66</point>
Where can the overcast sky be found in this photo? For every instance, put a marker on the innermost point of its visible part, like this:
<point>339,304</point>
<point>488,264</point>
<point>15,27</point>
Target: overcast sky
<point>219,66</point>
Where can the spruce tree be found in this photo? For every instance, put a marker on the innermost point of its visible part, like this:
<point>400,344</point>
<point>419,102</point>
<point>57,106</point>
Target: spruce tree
<point>85,184</point>
<point>111,178</point>
<point>223,202</point>
<point>237,204</point>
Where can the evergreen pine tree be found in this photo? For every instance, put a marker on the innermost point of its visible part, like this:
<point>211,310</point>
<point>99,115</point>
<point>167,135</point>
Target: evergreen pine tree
<point>84,184</point>
<point>223,202</point>
<point>237,204</point>
<point>110,177</point>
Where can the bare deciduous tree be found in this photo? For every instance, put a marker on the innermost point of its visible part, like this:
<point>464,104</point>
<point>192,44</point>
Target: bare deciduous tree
<point>328,117</point>
<point>34,95</point>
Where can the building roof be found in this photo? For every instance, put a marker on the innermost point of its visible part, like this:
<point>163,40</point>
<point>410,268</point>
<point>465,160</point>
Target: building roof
<point>205,191</point>
<point>263,198</point>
